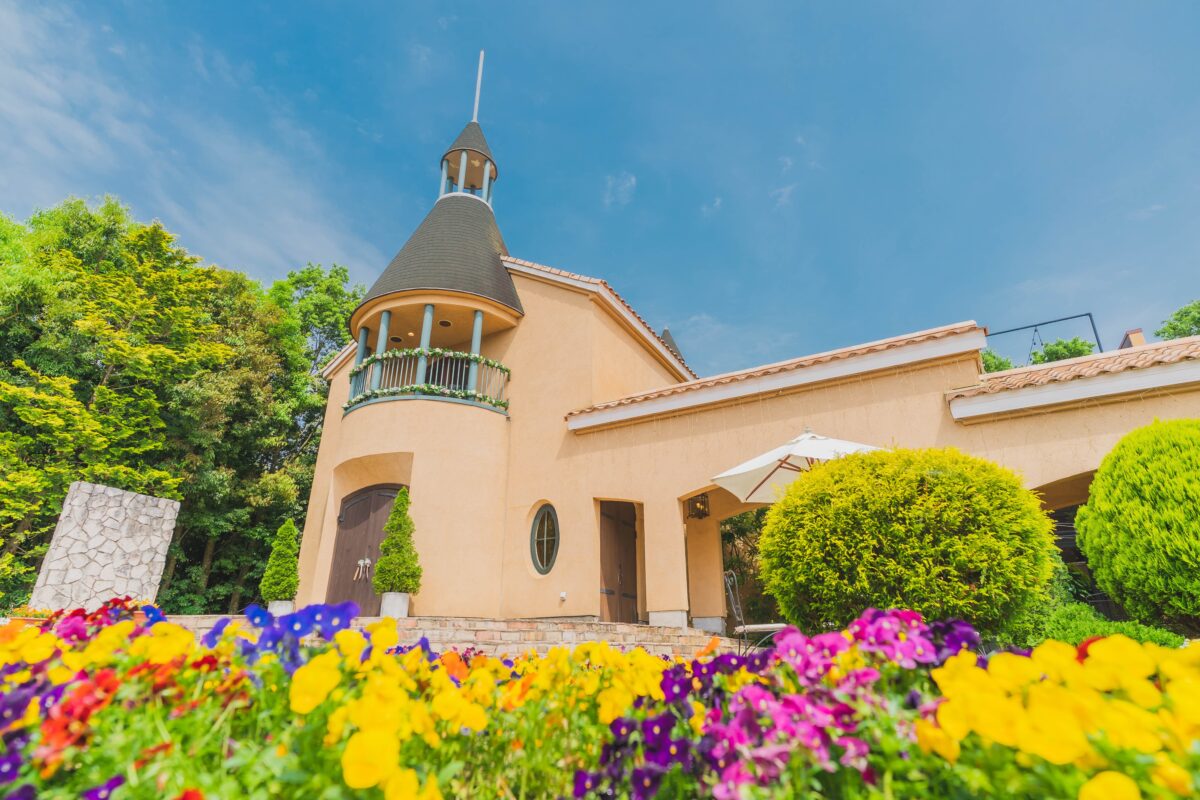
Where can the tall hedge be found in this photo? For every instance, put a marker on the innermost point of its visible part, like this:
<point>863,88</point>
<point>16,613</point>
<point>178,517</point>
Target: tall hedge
<point>939,531</point>
<point>281,577</point>
<point>399,569</point>
<point>1140,528</point>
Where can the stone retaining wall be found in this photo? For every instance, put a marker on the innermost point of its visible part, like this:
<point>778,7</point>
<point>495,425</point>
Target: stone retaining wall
<point>497,637</point>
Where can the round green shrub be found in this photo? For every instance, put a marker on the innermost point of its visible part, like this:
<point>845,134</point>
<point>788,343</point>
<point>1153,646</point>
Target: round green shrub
<point>281,577</point>
<point>1074,622</point>
<point>938,531</point>
<point>1140,528</point>
<point>399,569</point>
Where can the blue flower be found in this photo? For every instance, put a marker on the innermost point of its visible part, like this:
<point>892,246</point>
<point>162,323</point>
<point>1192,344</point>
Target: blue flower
<point>10,766</point>
<point>23,792</point>
<point>259,617</point>
<point>153,614</point>
<point>211,638</point>
<point>333,618</point>
<point>104,790</point>
<point>585,783</point>
<point>299,624</point>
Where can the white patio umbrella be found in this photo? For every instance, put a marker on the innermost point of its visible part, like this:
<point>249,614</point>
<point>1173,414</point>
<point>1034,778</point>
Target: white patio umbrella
<point>760,479</point>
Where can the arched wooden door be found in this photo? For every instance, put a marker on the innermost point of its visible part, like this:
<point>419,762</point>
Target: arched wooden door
<point>356,549</point>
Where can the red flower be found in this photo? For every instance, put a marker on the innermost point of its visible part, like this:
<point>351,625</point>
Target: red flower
<point>191,794</point>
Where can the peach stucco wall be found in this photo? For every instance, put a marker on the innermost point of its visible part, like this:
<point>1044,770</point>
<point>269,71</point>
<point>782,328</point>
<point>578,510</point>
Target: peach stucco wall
<point>477,477</point>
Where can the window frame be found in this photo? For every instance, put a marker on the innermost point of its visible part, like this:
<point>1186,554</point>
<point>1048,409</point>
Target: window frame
<point>544,510</point>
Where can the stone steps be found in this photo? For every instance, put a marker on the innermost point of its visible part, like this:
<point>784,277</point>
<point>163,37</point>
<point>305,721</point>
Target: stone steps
<point>512,637</point>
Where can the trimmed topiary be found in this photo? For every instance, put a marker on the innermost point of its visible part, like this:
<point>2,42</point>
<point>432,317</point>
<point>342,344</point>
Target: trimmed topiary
<point>1140,528</point>
<point>1073,623</point>
<point>938,531</point>
<point>281,577</point>
<point>399,569</point>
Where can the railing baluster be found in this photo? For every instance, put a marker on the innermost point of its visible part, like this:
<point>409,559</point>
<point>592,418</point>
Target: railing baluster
<point>447,372</point>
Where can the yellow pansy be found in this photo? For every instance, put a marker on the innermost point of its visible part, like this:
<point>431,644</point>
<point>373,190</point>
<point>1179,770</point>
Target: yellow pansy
<point>1110,785</point>
<point>165,642</point>
<point>370,758</point>
<point>384,636</point>
<point>931,738</point>
<point>1171,776</point>
<point>313,682</point>
<point>1013,672</point>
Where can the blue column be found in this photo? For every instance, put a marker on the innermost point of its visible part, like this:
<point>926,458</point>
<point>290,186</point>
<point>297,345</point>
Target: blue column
<point>487,182</point>
<point>381,344</point>
<point>476,342</point>
<point>426,332</point>
<point>363,333</point>
<point>462,172</point>
<point>442,185</point>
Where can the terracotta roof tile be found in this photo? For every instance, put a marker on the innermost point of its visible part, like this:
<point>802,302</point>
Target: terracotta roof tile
<point>792,364</point>
<point>605,284</point>
<point>1140,357</point>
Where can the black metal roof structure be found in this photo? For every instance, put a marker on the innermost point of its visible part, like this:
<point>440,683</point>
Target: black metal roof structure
<point>456,248</point>
<point>471,138</point>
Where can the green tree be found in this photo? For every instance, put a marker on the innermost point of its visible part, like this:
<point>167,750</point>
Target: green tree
<point>399,568</point>
<point>282,577</point>
<point>1140,528</point>
<point>1184,322</point>
<point>200,383</point>
<point>993,361</point>
<point>938,531</point>
<point>1061,349</point>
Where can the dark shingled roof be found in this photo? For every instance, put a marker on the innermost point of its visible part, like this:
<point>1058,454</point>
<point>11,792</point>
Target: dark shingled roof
<point>669,341</point>
<point>471,138</point>
<point>456,248</point>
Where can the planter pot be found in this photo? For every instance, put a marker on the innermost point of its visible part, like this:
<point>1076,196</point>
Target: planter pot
<point>394,604</point>
<point>279,607</point>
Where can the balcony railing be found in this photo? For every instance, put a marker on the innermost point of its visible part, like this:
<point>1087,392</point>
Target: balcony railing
<point>430,372</point>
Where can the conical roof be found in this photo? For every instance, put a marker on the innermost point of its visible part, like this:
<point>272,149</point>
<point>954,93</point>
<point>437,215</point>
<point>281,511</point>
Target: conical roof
<point>471,138</point>
<point>456,248</point>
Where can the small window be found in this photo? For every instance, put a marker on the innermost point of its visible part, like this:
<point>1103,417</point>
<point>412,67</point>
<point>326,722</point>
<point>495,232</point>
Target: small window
<point>543,539</point>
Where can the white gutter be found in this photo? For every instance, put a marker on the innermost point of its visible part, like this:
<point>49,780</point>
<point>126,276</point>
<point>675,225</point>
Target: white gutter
<point>1129,381</point>
<point>902,355</point>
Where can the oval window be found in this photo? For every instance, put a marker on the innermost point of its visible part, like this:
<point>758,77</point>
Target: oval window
<point>543,539</point>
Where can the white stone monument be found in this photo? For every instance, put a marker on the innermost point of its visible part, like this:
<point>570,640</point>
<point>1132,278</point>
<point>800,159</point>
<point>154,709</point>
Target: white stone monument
<point>108,543</point>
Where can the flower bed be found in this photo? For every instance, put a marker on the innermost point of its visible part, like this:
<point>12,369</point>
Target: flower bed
<point>105,706</point>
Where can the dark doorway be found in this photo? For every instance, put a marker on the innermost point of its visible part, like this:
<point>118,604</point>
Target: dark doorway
<point>356,549</point>
<point>618,562</point>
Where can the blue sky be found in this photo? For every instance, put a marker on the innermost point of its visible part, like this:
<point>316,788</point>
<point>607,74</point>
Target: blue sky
<point>769,180</point>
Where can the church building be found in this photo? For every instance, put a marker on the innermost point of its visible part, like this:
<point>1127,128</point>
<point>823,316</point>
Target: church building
<point>560,453</point>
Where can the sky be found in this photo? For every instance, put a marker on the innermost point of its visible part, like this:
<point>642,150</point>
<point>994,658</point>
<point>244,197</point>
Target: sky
<point>769,180</point>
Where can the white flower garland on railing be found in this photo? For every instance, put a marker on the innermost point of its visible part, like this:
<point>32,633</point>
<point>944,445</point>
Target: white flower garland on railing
<point>431,389</point>
<point>429,352</point>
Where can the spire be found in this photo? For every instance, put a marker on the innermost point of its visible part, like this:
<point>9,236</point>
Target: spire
<point>458,247</point>
<point>468,165</point>
<point>478,86</point>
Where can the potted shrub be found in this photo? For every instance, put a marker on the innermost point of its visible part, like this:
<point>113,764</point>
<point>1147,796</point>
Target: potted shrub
<point>398,573</point>
<point>281,578</point>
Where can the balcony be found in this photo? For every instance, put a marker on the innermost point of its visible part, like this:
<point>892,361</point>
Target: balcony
<point>429,373</point>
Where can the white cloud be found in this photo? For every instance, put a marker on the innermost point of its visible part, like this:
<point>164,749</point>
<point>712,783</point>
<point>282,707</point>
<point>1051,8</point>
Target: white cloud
<point>1146,213</point>
<point>619,188</point>
<point>801,141</point>
<point>783,195</point>
<point>708,209</point>
<point>420,59</point>
<point>785,163</point>
<point>68,126</point>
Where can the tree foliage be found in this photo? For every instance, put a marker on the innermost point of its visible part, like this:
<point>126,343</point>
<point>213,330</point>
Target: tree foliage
<point>126,360</point>
<point>1140,528</point>
<point>1184,322</point>
<point>1061,349</point>
<point>739,546</point>
<point>937,531</point>
<point>994,362</point>
<point>282,575</point>
<point>399,568</point>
